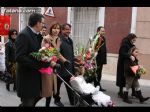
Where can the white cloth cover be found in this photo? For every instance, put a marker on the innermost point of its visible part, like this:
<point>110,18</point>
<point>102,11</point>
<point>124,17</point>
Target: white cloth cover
<point>80,85</point>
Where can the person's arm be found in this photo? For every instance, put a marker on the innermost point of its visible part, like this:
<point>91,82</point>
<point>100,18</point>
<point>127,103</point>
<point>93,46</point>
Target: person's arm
<point>58,47</point>
<point>22,54</point>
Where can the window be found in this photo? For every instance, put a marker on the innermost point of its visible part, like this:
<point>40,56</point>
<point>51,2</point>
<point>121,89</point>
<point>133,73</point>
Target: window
<point>84,21</point>
<point>25,13</point>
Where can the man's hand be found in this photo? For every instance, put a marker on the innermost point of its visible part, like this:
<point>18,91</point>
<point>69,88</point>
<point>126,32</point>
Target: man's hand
<point>67,63</point>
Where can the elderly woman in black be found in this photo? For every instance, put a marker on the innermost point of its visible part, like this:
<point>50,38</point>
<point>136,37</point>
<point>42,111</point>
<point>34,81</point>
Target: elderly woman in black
<point>10,56</point>
<point>126,44</point>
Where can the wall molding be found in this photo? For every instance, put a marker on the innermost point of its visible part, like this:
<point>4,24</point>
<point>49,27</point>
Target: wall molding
<point>101,16</point>
<point>134,20</point>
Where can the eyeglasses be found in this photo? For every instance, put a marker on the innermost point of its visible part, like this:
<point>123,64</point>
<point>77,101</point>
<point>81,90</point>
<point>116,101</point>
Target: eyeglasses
<point>14,34</point>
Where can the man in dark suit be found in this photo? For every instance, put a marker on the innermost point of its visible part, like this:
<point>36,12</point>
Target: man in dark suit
<point>101,57</point>
<point>28,80</point>
<point>66,49</point>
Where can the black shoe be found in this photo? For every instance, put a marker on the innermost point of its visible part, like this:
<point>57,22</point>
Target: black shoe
<point>101,89</point>
<point>120,94</point>
<point>144,99</point>
<point>7,87</point>
<point>58,103</point>
<point>48,100</point>
<point>141,98</point>
<point>134,95</point>
<point>126,99</point>
<point>21,105</point>
<point>14,88</point>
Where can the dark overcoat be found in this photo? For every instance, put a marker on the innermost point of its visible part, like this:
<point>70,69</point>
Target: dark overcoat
<point>123,54</point>
<point>28,80</point>
<point>10,51</point>
<point>101,57</point>
<point>10,57</point>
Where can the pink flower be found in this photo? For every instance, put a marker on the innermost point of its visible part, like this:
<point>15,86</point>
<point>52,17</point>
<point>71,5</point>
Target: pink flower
<point>47,45</point>
<point>54,58</point>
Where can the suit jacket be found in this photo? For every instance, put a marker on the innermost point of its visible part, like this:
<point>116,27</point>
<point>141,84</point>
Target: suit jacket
<point>66,49</point>
<point>28,80</point>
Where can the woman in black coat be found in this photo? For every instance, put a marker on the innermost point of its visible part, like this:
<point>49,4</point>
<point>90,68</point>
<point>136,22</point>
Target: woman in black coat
<point>127,43</point>
<point>10,56</point>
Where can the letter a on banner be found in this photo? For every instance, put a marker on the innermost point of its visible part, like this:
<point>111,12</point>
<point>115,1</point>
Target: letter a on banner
<point>49,12</point>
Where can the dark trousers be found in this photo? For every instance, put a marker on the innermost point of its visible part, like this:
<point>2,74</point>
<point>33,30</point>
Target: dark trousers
<point>69,91</point>
<point>99,75</point>
<point>29,102</point>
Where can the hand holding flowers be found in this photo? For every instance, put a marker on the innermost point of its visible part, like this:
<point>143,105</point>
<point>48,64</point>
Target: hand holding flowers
<point>46,54</point>
<point>141,71</point>
<point>138,70</point>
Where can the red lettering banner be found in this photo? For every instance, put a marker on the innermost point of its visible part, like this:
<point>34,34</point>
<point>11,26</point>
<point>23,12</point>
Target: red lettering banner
<point>4,25</point>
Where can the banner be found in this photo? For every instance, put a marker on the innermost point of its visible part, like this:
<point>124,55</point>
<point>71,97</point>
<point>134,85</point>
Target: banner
<point>4,25</point>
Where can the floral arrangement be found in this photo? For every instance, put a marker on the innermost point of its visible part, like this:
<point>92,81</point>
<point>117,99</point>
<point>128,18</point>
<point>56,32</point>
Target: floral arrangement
<point>97,42</point>
<point>85,58</point>
<point>88,56</point>
<point>141,71</point>
<point>138,70</point>
<point>90,71</point>
<point>46,54</point>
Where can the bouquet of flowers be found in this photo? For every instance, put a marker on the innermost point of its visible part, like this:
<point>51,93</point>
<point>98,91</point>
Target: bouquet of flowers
<point>97,42</point>
<point>90,71</point>
<point>138,70</point>
<point>46,54</point>
<point>141,71</point>
<point>84,58</point>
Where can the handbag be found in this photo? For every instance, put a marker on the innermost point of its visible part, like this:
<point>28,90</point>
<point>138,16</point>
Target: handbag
<point>8,78</point>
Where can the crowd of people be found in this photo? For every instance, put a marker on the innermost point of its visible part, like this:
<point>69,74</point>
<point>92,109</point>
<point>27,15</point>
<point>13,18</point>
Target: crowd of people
<point>31,85</point>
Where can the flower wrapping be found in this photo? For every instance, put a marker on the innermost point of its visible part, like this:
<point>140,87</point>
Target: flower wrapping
<point>47,70</point>
<point>134,68</point>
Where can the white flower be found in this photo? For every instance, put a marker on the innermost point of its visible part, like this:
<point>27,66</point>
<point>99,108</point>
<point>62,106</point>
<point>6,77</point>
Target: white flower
<point>45,59</point>
<point>43,48</point>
